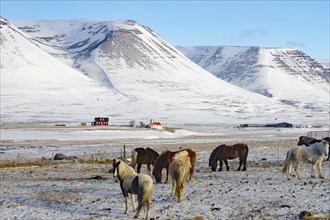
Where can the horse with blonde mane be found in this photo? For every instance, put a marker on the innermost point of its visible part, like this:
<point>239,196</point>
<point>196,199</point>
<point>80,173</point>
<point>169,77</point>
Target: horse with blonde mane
<point>179,169</point>
<point>164,160</point>
<point>313,154</point>
<point>133,183</point>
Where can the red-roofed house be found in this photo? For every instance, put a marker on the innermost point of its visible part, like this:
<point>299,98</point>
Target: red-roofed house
<point>155,124</point>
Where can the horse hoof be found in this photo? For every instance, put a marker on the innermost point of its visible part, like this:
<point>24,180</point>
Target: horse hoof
<point>322,177</point>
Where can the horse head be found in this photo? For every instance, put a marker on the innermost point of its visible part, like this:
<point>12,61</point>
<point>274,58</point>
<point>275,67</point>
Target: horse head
<point>213,164</point>
<point>305,140</point>
<point>115,167</point>
<point>325,143</point>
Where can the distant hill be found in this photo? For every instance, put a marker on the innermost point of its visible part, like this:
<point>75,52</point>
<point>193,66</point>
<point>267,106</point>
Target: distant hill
<point>284,74</point>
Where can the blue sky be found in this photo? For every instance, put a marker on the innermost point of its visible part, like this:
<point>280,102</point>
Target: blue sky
<point>298,24</point>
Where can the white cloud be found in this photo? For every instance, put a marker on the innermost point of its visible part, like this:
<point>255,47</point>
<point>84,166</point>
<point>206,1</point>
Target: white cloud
<point>249,33</point>
<point>295,44</point>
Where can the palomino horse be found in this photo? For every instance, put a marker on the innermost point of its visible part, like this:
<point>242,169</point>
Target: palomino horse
<point>313,154</point>
<point>133,183</point>
<point>164,160</point>
<point>305,140</point>
<point>143,156</point>
<point>179,169</point>
<point>229,152</point>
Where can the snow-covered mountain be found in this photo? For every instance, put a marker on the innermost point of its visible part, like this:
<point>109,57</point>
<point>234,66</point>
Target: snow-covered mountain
<point>287,75</point>
<point>73,70</point>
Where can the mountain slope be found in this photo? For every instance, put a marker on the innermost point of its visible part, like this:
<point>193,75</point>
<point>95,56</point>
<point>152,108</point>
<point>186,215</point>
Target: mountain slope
<point>287,75</point>
<point>140,76</point>
<point>37,86</point>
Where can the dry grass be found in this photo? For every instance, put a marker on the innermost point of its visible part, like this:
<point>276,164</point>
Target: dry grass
<point>43,163</point>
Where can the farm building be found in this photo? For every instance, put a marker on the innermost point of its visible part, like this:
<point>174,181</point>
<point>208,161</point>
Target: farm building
<point>100,121</point>
<point>154,124</point>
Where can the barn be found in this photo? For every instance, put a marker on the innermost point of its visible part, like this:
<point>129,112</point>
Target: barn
<point>100,121</point>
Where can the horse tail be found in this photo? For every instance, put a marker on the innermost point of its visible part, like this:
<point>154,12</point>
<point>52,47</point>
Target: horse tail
<point>287,161</point>
<point>145,192</point>
<point>134,158</point>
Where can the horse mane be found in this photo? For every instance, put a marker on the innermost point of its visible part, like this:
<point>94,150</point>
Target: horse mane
<point>124,168</point>
<point>315,141</point>
<point>153,151</point>
<point>139,150</point>
<point>165,152</point>
<point>181,155</point>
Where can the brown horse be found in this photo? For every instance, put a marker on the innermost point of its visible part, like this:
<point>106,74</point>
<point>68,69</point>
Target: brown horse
<point>164,160</point>
<point>227,152</point>
<point>143,156</point>
<point>307,141</point>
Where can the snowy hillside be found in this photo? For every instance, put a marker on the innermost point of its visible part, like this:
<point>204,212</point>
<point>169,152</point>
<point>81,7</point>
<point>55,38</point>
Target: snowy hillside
<point>132,74</point>
<point>287,75</point>
<point>325,63</point>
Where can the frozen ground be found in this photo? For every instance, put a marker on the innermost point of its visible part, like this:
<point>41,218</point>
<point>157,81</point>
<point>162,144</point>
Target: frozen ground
<point>69,191</point>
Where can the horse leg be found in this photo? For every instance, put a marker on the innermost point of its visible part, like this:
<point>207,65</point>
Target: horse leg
<point>240,164</point>
<point>139,167</point>
<point>132,199</point>
<point>173,187</point>
<point>289,171</point>
<point>221,164</point>
<point>227,167</point>
<point>192,170</point>
<point>297,168</point>
<point>138,210</point>
<point>167,176</point>
<point>148,209</point>
<point>244,165</point>
<point>126,204</point>
<point>319,166</point>
<point>149,168</point>
<point>313,170</point>
<point>180,191</point>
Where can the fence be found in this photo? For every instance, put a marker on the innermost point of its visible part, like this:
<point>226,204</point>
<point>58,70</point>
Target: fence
<point>318,134</point>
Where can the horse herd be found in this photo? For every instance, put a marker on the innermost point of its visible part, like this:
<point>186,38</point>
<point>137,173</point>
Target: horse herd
<point>180,164</point>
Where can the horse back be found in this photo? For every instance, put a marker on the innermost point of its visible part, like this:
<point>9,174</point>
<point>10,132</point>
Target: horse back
<point>164,160</point>
<point>179,168</point>
<point>232,151</point>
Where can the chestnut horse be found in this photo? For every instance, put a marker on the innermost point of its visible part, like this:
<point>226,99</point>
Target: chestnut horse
<point>143,156</point>
<point>305,140</point>
<point>227,152</point>
<point>164,160</point>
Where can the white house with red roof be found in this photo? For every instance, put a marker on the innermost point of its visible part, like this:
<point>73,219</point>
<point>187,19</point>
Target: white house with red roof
<point>154,124</point>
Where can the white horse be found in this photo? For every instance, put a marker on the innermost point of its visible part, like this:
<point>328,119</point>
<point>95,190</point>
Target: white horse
<point>179,169</point>
<point>133,183</point>
<point>313,154</point>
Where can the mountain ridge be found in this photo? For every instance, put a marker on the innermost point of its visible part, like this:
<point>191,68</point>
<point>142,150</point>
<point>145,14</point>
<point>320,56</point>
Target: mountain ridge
<point>144,76</point>
<point>266,71</point>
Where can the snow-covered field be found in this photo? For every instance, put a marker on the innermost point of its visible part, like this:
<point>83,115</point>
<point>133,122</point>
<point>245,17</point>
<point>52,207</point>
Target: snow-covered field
<point>70,191</point>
